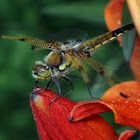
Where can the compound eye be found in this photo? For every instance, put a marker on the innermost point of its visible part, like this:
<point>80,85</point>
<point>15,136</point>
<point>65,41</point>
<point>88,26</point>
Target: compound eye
<point>39,68</point>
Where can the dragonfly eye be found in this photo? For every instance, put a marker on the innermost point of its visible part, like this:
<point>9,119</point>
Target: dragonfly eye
<point>41,71</point>
<point>39,68</point>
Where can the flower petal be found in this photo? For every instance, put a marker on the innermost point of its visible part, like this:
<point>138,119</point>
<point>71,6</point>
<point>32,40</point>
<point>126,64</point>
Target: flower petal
<point>53,124</point>
<point>86,109</point>
<point>124,100</point>
<point>135,59</point>
<point>113,14</point>
<point>127,134</point>
<point>134,7</point>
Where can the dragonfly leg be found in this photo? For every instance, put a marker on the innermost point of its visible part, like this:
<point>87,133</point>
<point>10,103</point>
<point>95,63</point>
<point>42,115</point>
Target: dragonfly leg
<point>79,77</point>
<point>74,76</point>
<point>92,97</point>
<point>36,84</point>
<point>49,85</point>
<point>58,85</point>
<point>72,89</point>
<point>89,91</point>
<point>87,84</point>
<point>59,92</point>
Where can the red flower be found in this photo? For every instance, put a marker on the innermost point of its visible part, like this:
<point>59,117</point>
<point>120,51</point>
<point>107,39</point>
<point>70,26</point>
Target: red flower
<point>53,123</point>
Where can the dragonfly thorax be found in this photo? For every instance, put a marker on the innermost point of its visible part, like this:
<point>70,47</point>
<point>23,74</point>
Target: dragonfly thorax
<point>56,61</point>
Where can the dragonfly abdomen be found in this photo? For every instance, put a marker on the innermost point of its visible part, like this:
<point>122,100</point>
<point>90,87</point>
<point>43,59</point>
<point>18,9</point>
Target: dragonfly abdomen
<point>95,43</point>
<point>122,30</point>
<point>107,37</point>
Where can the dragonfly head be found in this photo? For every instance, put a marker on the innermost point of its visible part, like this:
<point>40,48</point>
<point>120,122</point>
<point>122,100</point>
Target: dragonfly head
<point>41,71</point>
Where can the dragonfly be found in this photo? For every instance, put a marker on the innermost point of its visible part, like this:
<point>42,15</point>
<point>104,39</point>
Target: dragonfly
<point>69,54</point>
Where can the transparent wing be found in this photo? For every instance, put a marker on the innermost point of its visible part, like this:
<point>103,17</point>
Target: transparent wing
<point>70,34</point>
<point>53,41</point>
<point>110,63</point>
<point>34,41</point>
<point>101,62</point>
<point>70,37</point>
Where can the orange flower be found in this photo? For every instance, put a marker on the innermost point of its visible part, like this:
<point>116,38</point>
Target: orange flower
<point>113,14</point>
<point>123,99</point>
<point>53,123</point>
<point>113,17</point>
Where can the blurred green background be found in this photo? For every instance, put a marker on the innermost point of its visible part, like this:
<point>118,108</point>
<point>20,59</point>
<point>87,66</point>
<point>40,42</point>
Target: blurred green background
<point>16,59</point>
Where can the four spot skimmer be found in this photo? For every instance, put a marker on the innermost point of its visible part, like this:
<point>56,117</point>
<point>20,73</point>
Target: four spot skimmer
<point>69,54</point>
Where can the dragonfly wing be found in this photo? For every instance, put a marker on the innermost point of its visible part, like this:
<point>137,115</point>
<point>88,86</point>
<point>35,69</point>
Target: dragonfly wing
<point>34,41</point>
<point>34,47</point>
<point>53,41</point>
<point>70,34</point>
<point>108,76</point>
<point>84,50</point>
